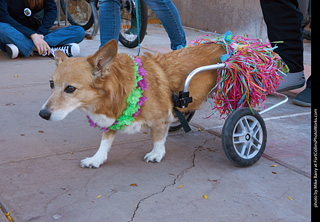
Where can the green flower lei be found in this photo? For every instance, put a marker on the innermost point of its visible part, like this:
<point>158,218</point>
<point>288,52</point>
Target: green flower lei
<point>135,100</point>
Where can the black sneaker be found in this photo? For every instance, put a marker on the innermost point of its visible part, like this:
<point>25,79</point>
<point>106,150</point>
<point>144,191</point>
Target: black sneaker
<point>70,50</point>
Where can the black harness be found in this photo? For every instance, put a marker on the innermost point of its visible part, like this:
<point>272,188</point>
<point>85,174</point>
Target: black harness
<point>182,100</point>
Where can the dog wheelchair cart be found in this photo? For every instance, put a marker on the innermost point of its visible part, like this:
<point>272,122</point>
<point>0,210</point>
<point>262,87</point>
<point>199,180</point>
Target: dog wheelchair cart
<point>244,133</point>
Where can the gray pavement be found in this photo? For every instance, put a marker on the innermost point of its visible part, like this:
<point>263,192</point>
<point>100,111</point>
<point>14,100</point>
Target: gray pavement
<point>41,178</point>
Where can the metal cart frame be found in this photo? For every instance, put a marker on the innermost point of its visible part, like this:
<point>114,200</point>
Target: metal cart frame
<point>244,133</point>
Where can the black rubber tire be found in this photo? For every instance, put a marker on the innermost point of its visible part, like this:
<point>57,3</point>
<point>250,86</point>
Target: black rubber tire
<point>256,138</point>
<point>86,25</point>
<point>143,27</point>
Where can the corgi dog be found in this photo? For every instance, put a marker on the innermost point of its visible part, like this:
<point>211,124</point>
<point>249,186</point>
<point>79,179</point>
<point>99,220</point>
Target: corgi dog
<point>99,85</point>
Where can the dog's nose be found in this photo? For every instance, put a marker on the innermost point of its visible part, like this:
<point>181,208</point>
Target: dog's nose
<point>45,114</point>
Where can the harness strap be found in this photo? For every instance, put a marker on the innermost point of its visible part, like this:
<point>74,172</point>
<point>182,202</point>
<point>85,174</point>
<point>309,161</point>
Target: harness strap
<point>182,119</point>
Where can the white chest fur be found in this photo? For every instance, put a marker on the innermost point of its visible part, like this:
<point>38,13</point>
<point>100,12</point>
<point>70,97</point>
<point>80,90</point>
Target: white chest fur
<point>133,128</point>
<point>101,120</point>
<point>104,121</point>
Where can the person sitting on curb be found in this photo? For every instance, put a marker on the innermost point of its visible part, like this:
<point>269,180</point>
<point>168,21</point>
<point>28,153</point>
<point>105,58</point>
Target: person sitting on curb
<point>24,28</point>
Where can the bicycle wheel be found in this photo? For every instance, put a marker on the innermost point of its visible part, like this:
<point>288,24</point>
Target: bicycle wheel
<point>80,12</point>
<point>129,32</point>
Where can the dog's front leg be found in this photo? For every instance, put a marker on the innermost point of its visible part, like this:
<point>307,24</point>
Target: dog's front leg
<point>159,136</point>
<point>102,154</point>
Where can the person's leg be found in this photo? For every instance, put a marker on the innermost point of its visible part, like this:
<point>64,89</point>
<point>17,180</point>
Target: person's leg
<point>283,19</point>
<point>303,6</point>
<point>66,35</point>
<point>168,14</point>
<point>9,35</point>
<point>109,20</point>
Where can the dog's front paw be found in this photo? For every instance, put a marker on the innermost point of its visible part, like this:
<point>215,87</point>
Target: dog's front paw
<point>154,156</point>
<point>91,162</point>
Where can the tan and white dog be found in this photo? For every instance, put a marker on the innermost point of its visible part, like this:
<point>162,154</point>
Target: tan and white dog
<point>100,84</point>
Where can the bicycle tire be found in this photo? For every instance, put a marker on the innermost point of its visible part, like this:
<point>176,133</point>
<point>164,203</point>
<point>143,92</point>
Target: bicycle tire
<point>86,25</point>
<point>123,38</point>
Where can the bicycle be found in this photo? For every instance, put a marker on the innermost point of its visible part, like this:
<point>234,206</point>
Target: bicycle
<point>86,16</point>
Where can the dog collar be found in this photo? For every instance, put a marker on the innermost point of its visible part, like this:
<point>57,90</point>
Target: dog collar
<point>135,100</point>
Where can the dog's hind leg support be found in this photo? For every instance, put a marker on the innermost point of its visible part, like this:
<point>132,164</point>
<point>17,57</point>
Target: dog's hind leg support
<point>181,101</point>
<point>102,154</point>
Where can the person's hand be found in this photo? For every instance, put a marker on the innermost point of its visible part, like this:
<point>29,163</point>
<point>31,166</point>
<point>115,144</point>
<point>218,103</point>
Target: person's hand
<point>41,45</point>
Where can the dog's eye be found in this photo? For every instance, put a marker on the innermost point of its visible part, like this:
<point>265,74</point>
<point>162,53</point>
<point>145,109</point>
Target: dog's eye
<point>70,89</point>
<point>51,84</point>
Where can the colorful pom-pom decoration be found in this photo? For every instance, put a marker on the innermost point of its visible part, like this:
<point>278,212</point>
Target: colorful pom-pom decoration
<point>253,70</point>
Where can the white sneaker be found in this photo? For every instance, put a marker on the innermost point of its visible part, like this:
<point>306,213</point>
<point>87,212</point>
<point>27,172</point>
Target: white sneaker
<point>12,50</point>
<point>72,49</point>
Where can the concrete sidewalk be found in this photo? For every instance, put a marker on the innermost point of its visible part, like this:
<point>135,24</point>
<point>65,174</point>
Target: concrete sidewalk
<point>41,178</point>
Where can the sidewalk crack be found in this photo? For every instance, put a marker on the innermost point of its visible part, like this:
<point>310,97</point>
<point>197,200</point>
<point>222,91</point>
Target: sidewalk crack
<point>178,177</point>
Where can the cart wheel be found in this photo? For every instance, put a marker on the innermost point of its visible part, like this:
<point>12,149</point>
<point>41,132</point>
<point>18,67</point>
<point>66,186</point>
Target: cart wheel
<point>244,137</point>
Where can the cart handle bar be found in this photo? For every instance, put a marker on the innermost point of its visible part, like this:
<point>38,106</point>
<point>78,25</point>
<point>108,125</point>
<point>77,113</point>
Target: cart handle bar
<point>221,66</point>
<point>201,69</point>
<point>285,99</point>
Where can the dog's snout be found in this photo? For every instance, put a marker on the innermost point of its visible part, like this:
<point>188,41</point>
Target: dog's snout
<point>45,114</point>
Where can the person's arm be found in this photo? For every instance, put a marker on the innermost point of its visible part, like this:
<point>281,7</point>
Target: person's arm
<point>41,46</point>
<point>6,18</point>
<point>50,15</point>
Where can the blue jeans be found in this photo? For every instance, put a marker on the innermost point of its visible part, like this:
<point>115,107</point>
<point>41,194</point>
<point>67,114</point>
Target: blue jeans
<point>9,35</point>
<point>165,10</point>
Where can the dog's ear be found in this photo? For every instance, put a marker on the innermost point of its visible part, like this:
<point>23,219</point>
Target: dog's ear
<point>103,57</point>
<point>59,57</point>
